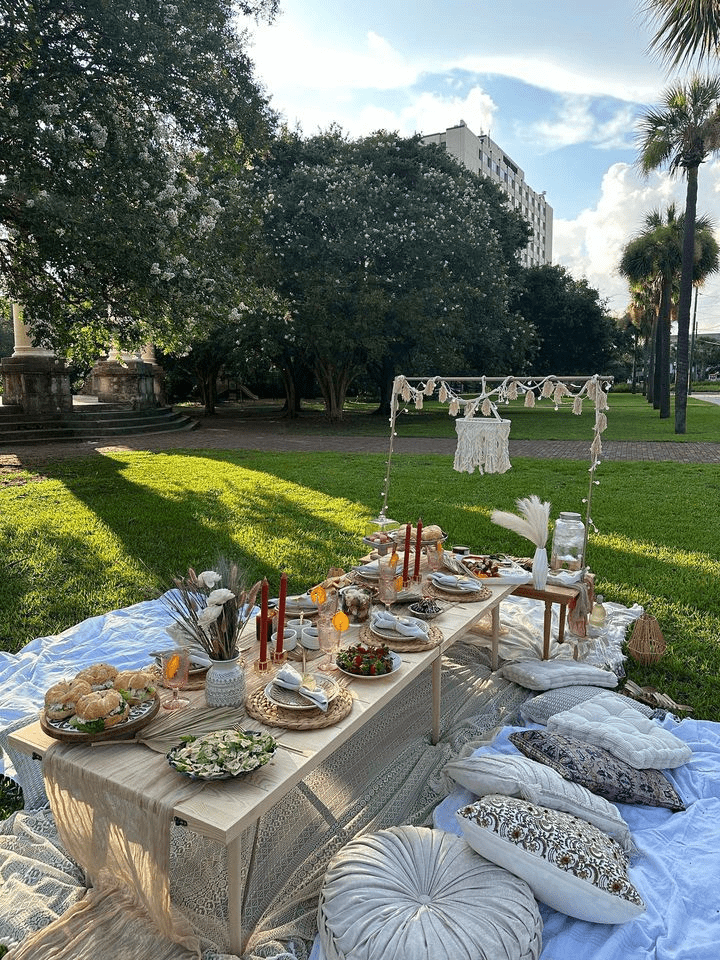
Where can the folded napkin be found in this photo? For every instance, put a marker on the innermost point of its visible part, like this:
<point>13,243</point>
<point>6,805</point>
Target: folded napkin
<point>386,621</point>
<point>447,582</point>
<point>368,569</point>
<point>290,679</point>
<point>300,602</point>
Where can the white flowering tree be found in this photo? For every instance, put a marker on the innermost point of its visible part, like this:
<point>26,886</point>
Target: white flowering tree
<point>383,252</point>
<point>106,106</point>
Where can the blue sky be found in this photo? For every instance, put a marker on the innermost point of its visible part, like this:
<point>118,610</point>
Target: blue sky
<point>559,85</point>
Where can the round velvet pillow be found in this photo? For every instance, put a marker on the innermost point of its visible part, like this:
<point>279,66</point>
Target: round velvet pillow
<point>412,893</point>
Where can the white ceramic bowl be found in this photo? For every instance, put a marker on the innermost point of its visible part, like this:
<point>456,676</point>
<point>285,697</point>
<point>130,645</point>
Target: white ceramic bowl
<point>309,638</point>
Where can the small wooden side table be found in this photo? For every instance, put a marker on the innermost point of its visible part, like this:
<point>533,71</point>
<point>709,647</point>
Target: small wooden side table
<point>550,595</point>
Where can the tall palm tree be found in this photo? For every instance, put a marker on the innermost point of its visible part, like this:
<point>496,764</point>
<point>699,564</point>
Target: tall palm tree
<point>642,314</point>
<point>652,263</point>
<point>685,30</point>
<point>681,134</point>
<point>654,259</point>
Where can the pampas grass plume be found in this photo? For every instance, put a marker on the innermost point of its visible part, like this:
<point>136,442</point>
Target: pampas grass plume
<point>533,522</point>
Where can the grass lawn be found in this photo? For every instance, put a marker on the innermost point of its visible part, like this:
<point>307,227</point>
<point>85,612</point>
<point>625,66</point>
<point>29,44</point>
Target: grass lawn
<point>101,532</point>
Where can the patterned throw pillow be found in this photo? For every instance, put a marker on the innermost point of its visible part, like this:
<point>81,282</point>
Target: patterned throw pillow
<point>515,776</point>
<point>413,892</point>
<point>548,674</point>
<point>539,709</point>
<point>598,770</point>
<point>568,864</point>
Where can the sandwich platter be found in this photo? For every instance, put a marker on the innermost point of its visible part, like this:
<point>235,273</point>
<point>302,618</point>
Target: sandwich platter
<point>139,715</point>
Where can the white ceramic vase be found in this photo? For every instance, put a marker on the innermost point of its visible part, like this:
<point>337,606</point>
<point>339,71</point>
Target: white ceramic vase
<point>225,683</point>
<point>540,568</point>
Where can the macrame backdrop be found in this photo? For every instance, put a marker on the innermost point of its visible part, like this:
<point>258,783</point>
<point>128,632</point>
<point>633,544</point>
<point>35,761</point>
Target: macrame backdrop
<point>483,444</point>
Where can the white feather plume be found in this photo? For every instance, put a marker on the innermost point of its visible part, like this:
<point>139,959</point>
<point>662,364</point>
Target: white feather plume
<point>533,522</point>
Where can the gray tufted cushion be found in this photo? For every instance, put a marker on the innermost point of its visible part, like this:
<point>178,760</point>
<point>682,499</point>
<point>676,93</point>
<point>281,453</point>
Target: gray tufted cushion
<point>539,709</point>
<point>411,893</point>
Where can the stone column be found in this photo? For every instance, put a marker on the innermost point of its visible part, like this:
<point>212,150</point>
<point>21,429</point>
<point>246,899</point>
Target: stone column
<point>35,381</point>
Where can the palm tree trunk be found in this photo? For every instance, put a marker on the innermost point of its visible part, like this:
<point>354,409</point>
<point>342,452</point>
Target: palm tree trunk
<point>686,279</point>
<point>662,360</point>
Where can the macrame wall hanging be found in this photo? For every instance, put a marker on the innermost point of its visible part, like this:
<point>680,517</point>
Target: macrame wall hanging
<point>483,441</point>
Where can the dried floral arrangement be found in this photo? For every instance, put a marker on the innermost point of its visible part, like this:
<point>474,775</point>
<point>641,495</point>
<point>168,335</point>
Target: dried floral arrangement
<point>211,609</point>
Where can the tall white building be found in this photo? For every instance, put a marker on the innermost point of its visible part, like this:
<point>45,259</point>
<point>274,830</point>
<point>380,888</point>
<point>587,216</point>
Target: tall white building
<point>482,155</point>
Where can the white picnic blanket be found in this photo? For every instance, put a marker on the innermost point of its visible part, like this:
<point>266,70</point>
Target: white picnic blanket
<point>676,872</point>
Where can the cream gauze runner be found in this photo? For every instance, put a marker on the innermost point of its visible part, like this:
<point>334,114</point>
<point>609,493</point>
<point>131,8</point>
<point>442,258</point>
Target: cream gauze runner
<point>123,843</point>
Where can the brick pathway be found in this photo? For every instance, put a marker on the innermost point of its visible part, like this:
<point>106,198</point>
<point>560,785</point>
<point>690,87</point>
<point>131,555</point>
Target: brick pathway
<point>226,432</point>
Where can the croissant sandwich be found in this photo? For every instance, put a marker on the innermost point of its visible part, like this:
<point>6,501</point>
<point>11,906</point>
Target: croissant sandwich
<point>99,710</point>
<point>62,697</point>
<point>136,686</point>
<point>100,676</point>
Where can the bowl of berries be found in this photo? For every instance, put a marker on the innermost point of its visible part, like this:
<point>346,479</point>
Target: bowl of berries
<point>366,662</point>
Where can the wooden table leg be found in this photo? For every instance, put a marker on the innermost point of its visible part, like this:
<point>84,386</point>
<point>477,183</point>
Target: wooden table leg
<point>547,628</point>
<point>495,617</point>
<point>436,691</point>
<point>561,622</point>
<point>236,885</point>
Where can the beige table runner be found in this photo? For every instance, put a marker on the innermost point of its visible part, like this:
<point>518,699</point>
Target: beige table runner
<point>122,841</point>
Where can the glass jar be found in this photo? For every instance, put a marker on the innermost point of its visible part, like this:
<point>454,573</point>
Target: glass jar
<point>568,542</point>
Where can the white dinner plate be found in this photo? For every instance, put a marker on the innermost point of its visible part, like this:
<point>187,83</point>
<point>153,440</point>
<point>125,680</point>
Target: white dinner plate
<point>292,700</point>
<point>389,634</point>
<point>396,664</point>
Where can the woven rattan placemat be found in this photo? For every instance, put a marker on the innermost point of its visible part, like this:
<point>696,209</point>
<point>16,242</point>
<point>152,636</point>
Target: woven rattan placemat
<point>259,708</point>
<point>431,590</point>
<point>404,644</point>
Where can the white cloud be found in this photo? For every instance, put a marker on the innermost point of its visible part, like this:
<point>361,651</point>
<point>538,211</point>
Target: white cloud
<point>591,245</point>
<point>289,61</point>
<point>557,75</point>
<point>575,122</point>
<point>430,113</point>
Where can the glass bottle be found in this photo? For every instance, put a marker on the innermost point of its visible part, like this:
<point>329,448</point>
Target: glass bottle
<point>568,542</point>
<point>597,617</point>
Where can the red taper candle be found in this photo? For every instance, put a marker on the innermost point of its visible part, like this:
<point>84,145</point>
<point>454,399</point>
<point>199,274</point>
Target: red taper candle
<point>263,621</point>
<point>406,561</point>
<point>418,550</point>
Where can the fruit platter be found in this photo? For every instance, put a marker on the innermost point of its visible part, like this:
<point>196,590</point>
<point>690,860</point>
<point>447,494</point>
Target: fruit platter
<point>364,661</point>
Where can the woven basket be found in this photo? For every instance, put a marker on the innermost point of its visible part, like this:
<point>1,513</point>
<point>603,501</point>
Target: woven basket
<point>647,643</point>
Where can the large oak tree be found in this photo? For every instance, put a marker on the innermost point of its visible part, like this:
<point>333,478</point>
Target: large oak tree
<point>105,108</point>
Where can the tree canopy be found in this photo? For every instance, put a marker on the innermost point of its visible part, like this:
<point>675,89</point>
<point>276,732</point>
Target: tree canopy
<point>685,30</point>
<point>105,107</point>
<point>575,333</point>
<point>384,251</point>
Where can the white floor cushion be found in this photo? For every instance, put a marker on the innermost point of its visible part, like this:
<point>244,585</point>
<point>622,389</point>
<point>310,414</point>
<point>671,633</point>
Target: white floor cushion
<point>607,722</point>
<point>569,864</point>
<point>514,776</point>
<point>549,674</point>
<point>411,893</point>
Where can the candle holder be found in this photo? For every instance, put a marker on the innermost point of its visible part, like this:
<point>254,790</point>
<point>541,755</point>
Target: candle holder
<point>278,657</point>
<point>261,666</point>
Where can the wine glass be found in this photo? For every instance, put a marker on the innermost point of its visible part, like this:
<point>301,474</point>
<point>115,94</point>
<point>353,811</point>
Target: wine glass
<point>175,665</point>
<point>387,584</point>
<point>329,637</point>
